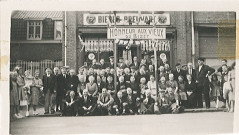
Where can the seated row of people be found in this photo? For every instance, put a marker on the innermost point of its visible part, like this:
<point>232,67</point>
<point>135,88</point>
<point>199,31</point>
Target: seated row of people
<point>128,104</point>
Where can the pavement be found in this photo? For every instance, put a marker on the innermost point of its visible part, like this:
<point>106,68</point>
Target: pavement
<point>184,123</point>
<point>192,121</point>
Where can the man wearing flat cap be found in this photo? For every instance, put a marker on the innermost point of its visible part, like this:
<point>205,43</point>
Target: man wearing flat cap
<point>202,83</point>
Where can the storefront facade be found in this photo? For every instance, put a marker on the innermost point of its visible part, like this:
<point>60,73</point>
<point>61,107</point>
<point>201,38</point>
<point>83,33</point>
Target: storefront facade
<point>187,36</point>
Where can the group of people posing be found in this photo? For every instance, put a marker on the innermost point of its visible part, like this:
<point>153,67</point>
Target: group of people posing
<point>93,91</point>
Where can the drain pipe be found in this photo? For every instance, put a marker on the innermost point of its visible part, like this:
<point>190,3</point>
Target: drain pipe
<point>65,37</point>
<point>193,40</point>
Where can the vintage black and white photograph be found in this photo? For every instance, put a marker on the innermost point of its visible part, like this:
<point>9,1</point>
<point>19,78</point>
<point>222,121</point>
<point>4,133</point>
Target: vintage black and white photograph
<point>122,72</point>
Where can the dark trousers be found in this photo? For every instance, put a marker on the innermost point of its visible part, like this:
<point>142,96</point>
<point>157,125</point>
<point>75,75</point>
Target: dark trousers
<point>202,89</point>
<point>191,101</point>
<point>83,112</point>
<point>69,110</point>
<point>59,98</point>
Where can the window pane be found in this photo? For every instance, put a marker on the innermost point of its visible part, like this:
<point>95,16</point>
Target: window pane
<point>31,23</point>
<point>31,32</point>
<point>37,30</point>
<point>37,23</point>
<point>58,29</point>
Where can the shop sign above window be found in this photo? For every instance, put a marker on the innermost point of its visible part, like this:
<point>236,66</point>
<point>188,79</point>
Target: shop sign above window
<point>126,19</point>
<point>136,33</point>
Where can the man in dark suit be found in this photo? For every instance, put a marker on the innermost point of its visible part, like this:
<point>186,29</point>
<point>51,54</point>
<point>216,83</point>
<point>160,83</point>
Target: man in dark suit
<point>62,88</point>
<point>202,83</point>
<point>135,62</point>
<point>178,71</point>
<point>49,88</point>
<point>86,105</point>
<point>70,105</point>
<point>191,71</point>
<point>73,81</point>
<point>100,84</point>
<point>118,107</point>
<point>111,65</point>
<point>130,103</point>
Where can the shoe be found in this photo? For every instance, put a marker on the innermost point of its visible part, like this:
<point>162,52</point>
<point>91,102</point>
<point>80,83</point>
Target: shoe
<point>52,112</point>
<point>46,113</point>
<point>223,106</point>
<point>27,114</point>
<point>35,113</point>
<point>19,115</point>
<point>123,113</point>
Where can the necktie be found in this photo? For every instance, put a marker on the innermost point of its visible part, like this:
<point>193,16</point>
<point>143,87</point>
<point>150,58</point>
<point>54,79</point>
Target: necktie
<point>104,100</point>
<point>85,98</point>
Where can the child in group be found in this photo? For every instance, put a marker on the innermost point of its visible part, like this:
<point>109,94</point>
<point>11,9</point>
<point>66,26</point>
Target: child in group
<point>28,82</point>
<point>14,97</point>
<point>215,89</point>
<point>35,91</point>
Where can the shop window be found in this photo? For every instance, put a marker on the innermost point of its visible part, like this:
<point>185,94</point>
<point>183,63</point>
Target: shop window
<point>58,30</point>
<point>34,30</point>
<point>98,48</point>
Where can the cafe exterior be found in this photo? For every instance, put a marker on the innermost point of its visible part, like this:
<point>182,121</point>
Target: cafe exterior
<point>177,37</point>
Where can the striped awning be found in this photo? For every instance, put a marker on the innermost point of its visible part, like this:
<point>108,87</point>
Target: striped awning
<point>37,14</point>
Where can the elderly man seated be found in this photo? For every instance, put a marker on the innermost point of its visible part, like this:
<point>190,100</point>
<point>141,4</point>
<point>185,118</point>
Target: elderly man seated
<point>118,107</point>
<point>104,102</point>
<point>86,105</point>
<point>147,105</point>
<point>130,103</point>
<point>70,105</point>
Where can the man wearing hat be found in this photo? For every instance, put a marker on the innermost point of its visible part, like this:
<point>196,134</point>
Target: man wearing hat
<point>202,72</point>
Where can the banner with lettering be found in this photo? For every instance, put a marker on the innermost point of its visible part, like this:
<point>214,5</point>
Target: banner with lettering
<point>126,19</point>
<point>136,33</point>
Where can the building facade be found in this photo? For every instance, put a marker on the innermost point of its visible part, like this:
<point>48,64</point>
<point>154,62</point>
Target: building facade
<point>36,39</point>
<point>189,35</point>
<point>74,38</point>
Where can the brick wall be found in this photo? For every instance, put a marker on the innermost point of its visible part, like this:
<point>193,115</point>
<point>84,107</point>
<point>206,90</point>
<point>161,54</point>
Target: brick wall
<point>71,51</point>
